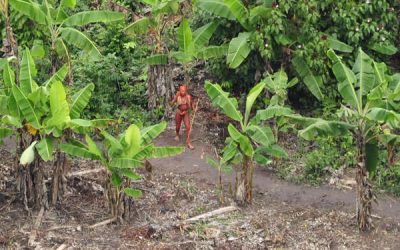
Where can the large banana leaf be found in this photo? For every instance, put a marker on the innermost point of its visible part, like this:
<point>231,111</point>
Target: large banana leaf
<point>181,56</point>
<point>80,100</point>
<point>238,10</point>
<point>92,147</point>
<point>346,79</point>
<point>148,134</point>
<point>132,139</point>
<point>244,141</point>
<point>130,174</point>
<point>337,45</point>
<point>217,7</point>
<point>166,151</point>
<point>325,128</point>
<point>26,107</point>
<point>185,38</point>
<point>76,38</point>
<point>30,9</point>
<point>12,121</point>
<point>386,49</point>
<point>58,76</point>
<point>58,106</point>
<point>272,111</point>
<point>202,35</point>
<point>259,12</point>
<point>230,150</point>
<point>251,98</point>
<point>4,100</point>
<point>78,151</point>
<point>166,7</point>
<point>140,26</point>
<point>277,81</point>
<point>213,52</point>
<point>95,16</point>
<point>27,72</point>
<point>221,98</point>
<point>8,78</point>
<point>365,75</point>
<point>261,135</point>
<point>45,148</point>
<point>150,2</point>
<point>312,82</point>
<point>273,150</point>
<point>238,50</point>
<point>134,193</point>
<point>113,145</point>
<point>382,115</point>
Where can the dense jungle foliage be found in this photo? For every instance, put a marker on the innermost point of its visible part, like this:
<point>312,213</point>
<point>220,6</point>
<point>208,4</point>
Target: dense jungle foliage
<point>333,60</point>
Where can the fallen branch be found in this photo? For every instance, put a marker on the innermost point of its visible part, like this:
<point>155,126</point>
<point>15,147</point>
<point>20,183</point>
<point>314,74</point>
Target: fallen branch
<point>376,216</point>
<point>207,215</point>
<point>103,222</point>
<point>62,247</point>
<point>85,172</point>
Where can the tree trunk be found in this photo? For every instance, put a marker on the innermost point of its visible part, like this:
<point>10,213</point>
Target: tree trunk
<point>59,180</point>
<point>160,88</point>
<point>13,43</point>
<point>244,187</point>
<point>364,188</point>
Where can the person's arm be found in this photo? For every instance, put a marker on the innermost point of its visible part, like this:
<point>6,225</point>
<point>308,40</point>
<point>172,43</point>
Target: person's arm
<point>171,103</point>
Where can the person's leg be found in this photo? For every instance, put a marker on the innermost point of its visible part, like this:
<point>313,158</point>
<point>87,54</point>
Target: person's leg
<point>178,122</point>
<point>186,120</point>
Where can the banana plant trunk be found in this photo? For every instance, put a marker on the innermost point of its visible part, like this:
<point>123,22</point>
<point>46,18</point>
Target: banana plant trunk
<point>120,205</point>
<point>12,42</point>
<point>160,86</point>
<point>364,188</point>
<point>59,180</point>
<point>244,186</point>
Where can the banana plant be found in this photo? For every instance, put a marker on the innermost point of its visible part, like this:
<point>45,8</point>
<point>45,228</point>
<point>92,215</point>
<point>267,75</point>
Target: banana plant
<point>121,156</point>
<point>44,115</point>
<point>63,28</point>
<point>251,140</point>
<point>193,45</point>
<point>363,113</point>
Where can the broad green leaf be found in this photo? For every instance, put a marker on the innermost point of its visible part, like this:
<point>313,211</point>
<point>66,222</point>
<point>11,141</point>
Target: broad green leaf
<point>68,3</point>
<point>212,163</point>
<point>12,121</point>
<point>27,72</point>
<point>185,38</point>
<point>277,82</point>
<point>239,11</point>
<point>37,50</point>
<point>8,78</point>
<point>28,155</point>
<point>261,159</point>
<point>148,134</point>
<point>325,128</point>
<point>132,139</point>
<point>216,7</point>
<point>94,16</point>
<point>58,106</point>
<point>130,174</point>
<point>166,7</point>
<point>58,76</point>
<point>4,100</point>
<point>238,50</point>
<point>112,141</point>
<point>381,115</point>
<point>386,49</point>
<point>157,59</point>
<point>76,38</point>
<point>272,111</point>
<point>149,2</point>
<point>144,153</point>
<point>45,148</point>
<point>202,35</point>
<point>31,9</point>
<point>221,99</point>
<point>78,151</point>
<point>167,151</point>
<point>274,150</point>
<point>134,193</point>
<point>259,12</point>
<point>140,26</point>
<point>346,79</point>
<point>365,75</point>
<point>213,52</point>
<point>80,100</point>
<point>182,57</point>
<point>116,180</point>
<point>80,123</point>
<point>244,142</point>
<point>337,45</point>
<point>92,147</point>
<point>312,82</point>
<point>230,150</point>
<point>251,98</point>
<point>26,107</point>
<point>261,135</point>
<point>125,163</point>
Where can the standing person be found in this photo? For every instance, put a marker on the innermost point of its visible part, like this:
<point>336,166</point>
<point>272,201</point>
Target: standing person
<point>185,102</point>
